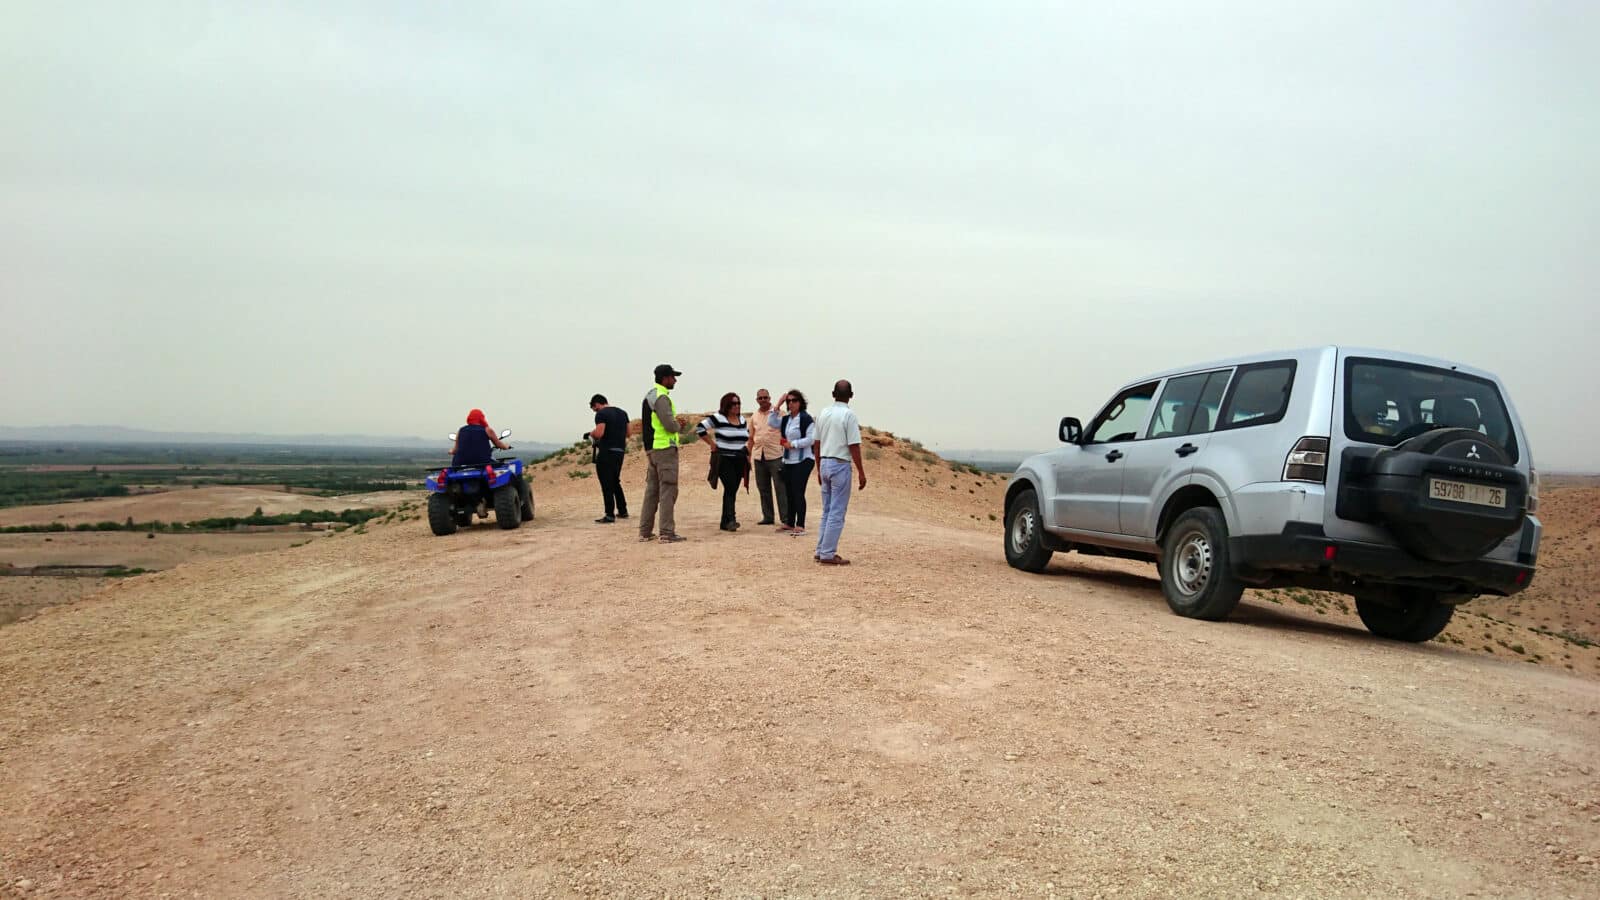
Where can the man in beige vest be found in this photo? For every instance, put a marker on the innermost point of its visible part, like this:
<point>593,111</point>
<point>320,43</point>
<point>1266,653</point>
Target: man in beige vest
<point>766,457</point>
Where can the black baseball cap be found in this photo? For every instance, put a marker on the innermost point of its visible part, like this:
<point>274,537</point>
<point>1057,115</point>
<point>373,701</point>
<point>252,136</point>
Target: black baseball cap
<point>664,370</point>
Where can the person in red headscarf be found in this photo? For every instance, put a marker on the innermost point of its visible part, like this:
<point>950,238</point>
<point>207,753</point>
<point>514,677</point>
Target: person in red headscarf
<point>474,442</point>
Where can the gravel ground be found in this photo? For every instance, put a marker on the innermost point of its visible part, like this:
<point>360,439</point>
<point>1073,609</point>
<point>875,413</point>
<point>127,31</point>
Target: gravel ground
<point>561,710</point>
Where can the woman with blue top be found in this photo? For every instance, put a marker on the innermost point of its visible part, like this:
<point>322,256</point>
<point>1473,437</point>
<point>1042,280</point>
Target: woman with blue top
<point>798,431</point>
<point>475,442</point>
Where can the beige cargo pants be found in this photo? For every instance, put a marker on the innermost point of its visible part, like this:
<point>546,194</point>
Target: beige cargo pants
<point>660,488</point>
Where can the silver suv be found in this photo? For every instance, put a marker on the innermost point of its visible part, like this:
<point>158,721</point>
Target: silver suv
<point>1404,481</point>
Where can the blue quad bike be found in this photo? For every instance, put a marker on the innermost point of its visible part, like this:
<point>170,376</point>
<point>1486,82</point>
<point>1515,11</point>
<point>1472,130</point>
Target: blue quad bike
<point>456,493</point>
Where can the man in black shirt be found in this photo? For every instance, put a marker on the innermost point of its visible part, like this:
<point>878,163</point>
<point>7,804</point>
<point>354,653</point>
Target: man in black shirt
<point>610,436</point>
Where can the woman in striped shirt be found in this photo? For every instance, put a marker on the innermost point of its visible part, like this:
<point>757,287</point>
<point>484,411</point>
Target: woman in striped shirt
<point>728,435</point>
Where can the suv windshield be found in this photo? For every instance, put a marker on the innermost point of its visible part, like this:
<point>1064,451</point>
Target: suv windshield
<point>1386,402</point>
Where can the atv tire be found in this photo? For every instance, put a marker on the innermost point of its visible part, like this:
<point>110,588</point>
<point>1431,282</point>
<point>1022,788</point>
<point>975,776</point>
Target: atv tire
<point>1407,615</point>
<point>507,507</point>
<point>527,499</point>
<point>441,518</point>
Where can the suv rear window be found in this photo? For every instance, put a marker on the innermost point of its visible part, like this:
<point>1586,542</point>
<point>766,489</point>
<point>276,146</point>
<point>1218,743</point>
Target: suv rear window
<point>1259,395</point>
<point>1386,402</point>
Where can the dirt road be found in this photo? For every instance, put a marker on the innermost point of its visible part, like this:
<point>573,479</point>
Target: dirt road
<point>562,710</point>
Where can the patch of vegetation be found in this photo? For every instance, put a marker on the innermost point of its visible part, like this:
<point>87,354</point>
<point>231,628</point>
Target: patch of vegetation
<point>222,523</point>
<point>578,473</point>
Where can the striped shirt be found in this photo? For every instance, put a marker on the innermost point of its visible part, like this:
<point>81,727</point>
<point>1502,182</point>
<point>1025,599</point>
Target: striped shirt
<point>730,436</point>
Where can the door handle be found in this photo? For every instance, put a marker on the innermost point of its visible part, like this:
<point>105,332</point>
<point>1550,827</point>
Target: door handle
<point>1186,449</point>
<point>1113,456</point>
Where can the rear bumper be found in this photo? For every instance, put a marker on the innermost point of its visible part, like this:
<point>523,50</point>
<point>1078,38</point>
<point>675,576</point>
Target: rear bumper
<point>1303,549</point>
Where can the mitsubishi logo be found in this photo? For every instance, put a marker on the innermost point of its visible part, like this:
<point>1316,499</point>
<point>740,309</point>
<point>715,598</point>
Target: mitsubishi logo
<point>1473,453</point>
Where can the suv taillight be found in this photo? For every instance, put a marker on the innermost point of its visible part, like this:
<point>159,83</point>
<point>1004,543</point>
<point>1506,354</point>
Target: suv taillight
<point>1308,461</point>
<point>1533,489</point>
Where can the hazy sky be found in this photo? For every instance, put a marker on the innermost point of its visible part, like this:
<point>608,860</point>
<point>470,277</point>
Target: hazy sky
<point>368,217</point>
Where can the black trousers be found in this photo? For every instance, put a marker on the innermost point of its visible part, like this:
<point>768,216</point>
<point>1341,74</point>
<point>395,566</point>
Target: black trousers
<point>795,477</point>
<point>730,471</point>
<point>608,469</point>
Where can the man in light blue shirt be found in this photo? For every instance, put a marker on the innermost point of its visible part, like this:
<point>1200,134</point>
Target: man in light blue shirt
<point>838,448</point>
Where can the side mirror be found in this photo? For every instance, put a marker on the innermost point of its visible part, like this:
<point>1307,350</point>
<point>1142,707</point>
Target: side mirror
<point>1071,430</point>
<point>505,434</point>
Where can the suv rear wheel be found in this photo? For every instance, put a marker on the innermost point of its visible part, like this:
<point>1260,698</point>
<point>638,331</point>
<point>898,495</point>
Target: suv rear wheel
<point>1196,573</point>
<point>1406,614</point>
<point>1025,547</point>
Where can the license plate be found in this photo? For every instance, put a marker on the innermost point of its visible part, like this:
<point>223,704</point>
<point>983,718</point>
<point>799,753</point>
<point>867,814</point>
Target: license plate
<point>1462,492</point>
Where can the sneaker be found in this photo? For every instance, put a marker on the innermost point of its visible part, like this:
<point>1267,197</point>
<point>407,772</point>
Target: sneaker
<point>646,538</point>
<point>672,538</point>
<point>797,532</point>
<point>622,515</point>
<point>834,561</point>
<point>766,522</point>
<point>604,520</point>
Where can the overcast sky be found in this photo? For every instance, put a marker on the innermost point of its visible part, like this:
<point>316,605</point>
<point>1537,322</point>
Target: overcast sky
<point>368,217</point>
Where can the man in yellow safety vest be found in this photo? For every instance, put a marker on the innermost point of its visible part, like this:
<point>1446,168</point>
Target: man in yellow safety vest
<point>660,431</point>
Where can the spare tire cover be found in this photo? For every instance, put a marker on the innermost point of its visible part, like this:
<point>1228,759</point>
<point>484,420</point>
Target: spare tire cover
<point>1443,531</point>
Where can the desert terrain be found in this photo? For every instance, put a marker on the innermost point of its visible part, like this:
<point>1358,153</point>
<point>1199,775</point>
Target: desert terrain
<point>24,595</point>
<point>561,710</point>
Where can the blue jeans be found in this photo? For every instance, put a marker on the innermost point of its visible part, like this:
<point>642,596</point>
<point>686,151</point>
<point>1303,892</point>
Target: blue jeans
<point>835,500</point>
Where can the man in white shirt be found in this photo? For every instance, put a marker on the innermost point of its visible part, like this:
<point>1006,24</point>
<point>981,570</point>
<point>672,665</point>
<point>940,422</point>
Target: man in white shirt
<point>838,448</point>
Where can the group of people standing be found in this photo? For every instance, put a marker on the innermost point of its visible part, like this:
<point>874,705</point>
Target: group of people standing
<point>783,445</point>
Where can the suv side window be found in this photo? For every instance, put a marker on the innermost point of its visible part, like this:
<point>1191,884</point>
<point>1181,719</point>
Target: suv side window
<point>1259,395</point>
<point>1189,404</point>
<point>1120,420</point>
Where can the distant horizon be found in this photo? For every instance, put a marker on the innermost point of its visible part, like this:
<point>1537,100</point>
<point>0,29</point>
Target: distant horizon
<point>351,440</point>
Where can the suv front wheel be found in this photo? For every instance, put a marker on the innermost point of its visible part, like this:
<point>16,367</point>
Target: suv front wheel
<point>1196,573</point>
<point>1025,547</point>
